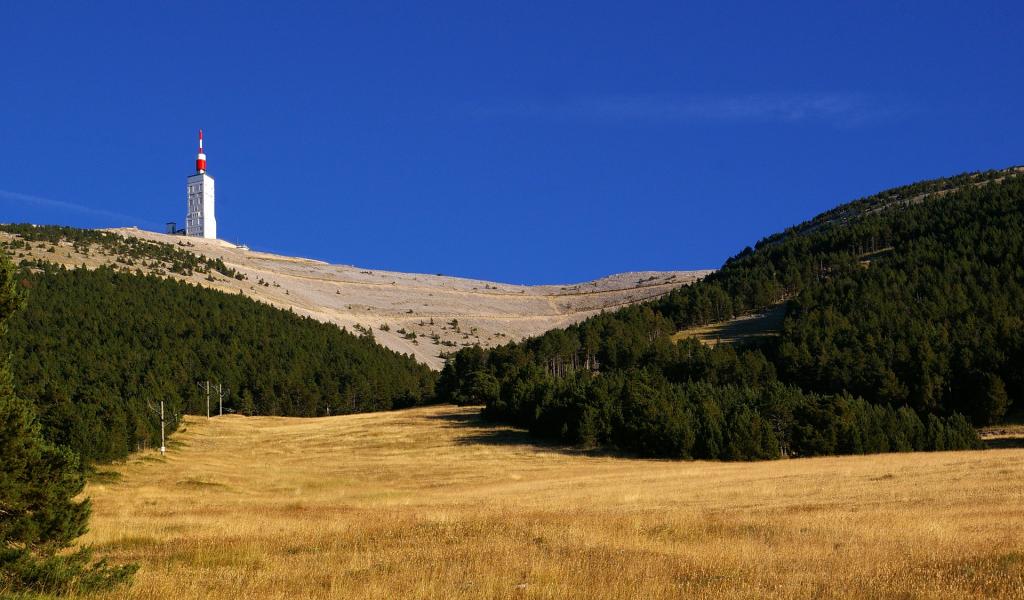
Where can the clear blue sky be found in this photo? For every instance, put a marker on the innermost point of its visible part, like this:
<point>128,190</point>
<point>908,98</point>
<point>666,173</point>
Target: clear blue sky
<point>533,142</point>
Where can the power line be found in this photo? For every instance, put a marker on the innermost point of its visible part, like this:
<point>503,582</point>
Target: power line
<point>208,386</point>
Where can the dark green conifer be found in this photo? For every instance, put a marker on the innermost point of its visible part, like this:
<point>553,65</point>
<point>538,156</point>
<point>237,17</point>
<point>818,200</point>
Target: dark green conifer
<point>39,481</point>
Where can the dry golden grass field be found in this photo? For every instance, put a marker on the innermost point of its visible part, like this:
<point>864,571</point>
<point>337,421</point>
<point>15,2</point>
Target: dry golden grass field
<point>433,503</point>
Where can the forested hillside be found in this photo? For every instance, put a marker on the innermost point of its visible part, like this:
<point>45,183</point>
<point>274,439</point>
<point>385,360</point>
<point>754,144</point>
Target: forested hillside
<point>96,350</point>
<point>130,253</point>
<point>904,315</point>
<point>427,316</point>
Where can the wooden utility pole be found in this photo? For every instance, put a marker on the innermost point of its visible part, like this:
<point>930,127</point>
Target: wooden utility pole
<point>220,399</point>
<point>163,448</point>
<point>206,385</point>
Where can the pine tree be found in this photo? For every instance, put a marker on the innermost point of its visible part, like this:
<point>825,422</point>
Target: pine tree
<point>39,481</point>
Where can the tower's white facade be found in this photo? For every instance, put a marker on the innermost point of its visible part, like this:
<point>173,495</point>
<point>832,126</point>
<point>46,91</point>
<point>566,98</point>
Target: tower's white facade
<point>200,220</point>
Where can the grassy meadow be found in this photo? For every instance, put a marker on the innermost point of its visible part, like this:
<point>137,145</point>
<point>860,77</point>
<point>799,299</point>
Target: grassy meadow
<point>746,328</point>
<point>433,503</point>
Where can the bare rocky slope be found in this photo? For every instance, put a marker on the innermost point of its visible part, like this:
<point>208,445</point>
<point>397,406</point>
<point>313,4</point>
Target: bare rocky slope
<point>423,315</point>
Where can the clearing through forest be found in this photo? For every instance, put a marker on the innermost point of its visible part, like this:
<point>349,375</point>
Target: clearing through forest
<point>744,328</point>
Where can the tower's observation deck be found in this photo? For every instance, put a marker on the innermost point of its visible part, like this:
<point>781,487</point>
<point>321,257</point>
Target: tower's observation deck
<point>200,220</point>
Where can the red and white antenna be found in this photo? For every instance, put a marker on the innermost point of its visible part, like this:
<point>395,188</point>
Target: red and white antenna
<point>201,157</point>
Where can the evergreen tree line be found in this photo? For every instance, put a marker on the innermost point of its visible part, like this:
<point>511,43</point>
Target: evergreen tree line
<point>643,412</point>
<point>96,350</point>
<point>896,301</point>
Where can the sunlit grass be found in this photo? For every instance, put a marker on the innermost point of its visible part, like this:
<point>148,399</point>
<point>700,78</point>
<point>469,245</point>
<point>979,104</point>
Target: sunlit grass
<point>745,328</point>
<point>431,503</point>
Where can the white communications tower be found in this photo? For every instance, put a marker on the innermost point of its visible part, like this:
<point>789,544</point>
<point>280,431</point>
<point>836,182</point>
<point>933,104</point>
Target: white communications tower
<point>199,221</point>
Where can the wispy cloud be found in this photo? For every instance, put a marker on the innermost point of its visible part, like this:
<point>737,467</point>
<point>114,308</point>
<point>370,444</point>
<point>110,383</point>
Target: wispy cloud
<point>121,218</point>
<point>838,108</point>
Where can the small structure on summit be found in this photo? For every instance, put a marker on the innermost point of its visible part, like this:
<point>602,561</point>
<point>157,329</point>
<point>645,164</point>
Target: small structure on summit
<point>200,220</point>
